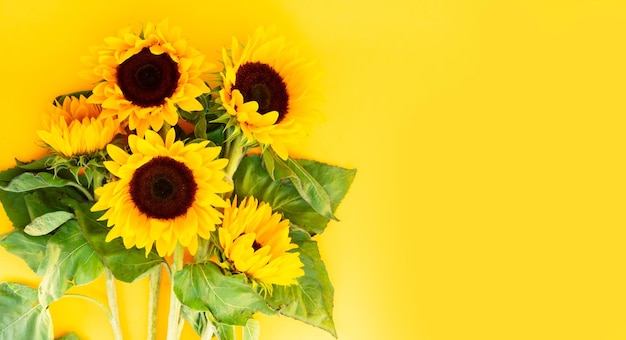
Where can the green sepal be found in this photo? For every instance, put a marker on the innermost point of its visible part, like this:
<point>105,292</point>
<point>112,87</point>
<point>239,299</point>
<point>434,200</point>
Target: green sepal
<point>69,336</point>
<point>311,299</point>
<point>252,179</point>
<point>230,300</point>
<point>21,317</point>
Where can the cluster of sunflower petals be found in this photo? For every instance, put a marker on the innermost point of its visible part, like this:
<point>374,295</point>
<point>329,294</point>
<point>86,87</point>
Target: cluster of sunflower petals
<point>163,192</point>
<point>76,127</point>
<point>257,242</point>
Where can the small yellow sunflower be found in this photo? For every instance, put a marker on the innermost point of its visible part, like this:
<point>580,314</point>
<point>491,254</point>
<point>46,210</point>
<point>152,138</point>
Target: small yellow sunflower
<point>166,192</point>
<point>144,77</point>
<point>76,127</point>
<point>256,242</point>
<point>266,88</point>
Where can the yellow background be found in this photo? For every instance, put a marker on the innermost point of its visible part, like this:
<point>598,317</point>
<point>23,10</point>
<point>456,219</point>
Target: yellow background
<point>488,136</point>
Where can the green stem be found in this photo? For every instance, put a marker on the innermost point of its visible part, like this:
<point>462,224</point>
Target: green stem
<point>83,190</point>
<point>112,297</point>
<point>153,302</point>
<point>235,154</point>
<point>208,332</point>
<point>174,321</point>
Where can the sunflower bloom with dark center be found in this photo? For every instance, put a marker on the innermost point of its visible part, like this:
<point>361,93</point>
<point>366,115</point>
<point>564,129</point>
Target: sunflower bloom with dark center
<point>166,193</point>
<point>256,242</point>
<point>266,88</point>
<point>143,78</point>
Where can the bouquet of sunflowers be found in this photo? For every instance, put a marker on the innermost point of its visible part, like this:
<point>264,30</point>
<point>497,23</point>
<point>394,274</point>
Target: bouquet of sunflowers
<point>174,164</point>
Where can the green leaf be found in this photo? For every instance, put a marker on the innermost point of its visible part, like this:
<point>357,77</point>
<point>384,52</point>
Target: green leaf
<point>204,287</point>
<point>252,330</point>
<point>9,174</point>
<point>77,94</point>
<point>69,336</point>
<point>225,331</point>
<point>46,223</point>
<point>15,208</point>
<point>70,260</point>
<point>31,249</point>
<point>311,300</point>
<point>251,179</point>
<point>307,186</point>
<point>196,319</point>
<point>127,265</point>
<point>39,164</point>
<point>49,200</point>
<point>29,181</point>
<point>22,317</point>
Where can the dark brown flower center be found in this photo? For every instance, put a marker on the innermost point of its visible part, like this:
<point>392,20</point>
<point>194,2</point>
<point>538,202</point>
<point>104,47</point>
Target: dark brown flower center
<point>256,245</point>
<point>163,188</point>
<point>261,83</point>
<point>146,79</point>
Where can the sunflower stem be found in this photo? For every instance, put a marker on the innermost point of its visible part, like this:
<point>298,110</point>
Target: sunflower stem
<point>235,155</point>
<point>153,302</point>
<point>112,299</point>
<point>83,190</point>
<point>174,321</point>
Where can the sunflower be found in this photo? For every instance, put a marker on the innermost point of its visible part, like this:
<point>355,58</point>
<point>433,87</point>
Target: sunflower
<point>256,242</point>
<point>144,77</point>
<point>75,127</point>
<point>166,192</point>
<point>265,88</point>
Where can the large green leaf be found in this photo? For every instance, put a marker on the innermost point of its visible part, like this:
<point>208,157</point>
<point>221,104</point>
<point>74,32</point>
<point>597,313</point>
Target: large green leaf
<point>48,200</point>
<point>196,319</point>
<point>252,330</point>
<point>69,336</point>
<point>311,191</point>
<point>30,181</point>
<point>204,287</point>
<point>252,179</point>
<point>311,299</point>
<point>225,331</point>
<point>38,164</point>
<point>33,205</point>
<point>31,249</point>
<point>126,265</point>
<point>47,223</point>
<point>70,260</point>
<point>15,208</point>
<point>21,317</point>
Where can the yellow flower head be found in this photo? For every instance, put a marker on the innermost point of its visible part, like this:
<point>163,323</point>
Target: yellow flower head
<point>166,192</point>
<point>256,242</point>
<point>77,128</point>
<point>144,77</point>
<point>266,88</point>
